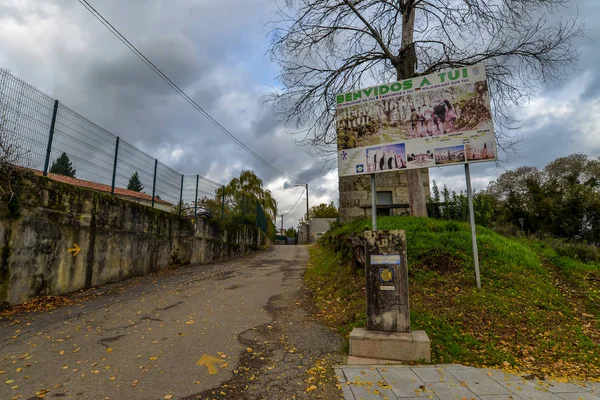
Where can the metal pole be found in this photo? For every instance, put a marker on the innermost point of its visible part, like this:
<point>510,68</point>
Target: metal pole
<point>154,182</point>
<point>222,202</point>
<point>307,213</point>
<point>181,197</point>
<point>196,197</point>
<point>112,188</point>
<point>50,137</point>
<point>472,220</point>
<point>282,222</point>
<point>373,203</point>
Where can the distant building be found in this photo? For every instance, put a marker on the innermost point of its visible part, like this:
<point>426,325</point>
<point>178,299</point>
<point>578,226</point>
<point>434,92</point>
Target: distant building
<point>131,195</point>
<point>392,194</point>
<point>311,232</point>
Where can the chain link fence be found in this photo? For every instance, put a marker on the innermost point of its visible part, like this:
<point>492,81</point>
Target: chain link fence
<point>52,140</point>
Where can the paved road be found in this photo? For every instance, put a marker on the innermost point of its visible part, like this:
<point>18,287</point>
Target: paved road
<point>231,330</point>
<point>453,381</point>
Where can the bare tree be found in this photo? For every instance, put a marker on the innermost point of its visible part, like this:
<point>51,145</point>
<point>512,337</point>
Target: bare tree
<point>326,47</point>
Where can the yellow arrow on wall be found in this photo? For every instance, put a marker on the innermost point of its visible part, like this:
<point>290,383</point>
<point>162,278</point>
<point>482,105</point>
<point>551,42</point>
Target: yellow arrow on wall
<point>75,249</point>
<point>210,362</point>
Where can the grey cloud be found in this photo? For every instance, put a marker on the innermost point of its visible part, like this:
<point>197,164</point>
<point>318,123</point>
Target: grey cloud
<point>214,49</point>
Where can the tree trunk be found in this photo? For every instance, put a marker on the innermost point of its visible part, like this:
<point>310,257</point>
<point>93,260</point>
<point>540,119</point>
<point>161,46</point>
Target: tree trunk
<point>405,68</point>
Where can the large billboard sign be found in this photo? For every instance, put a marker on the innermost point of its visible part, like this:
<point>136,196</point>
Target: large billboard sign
<point>431,120</point>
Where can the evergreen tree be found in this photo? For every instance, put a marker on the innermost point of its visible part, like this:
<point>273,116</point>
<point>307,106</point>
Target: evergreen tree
<point>62,166</point>
<point>134,183</point>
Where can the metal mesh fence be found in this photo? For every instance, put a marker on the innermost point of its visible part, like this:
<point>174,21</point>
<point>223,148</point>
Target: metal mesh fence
<point>51,139</point>
<point>25,116</point>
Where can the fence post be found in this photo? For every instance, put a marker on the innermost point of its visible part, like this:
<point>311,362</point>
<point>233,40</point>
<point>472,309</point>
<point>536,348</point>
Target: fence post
<point>112,188</point>
<point>50,137</point>
<point>222,202</point>
<point>181,197</point>
<point>196,197</point>
<point>154,182</point>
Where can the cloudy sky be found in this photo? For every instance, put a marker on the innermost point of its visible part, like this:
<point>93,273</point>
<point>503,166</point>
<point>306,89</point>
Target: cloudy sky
<point>217,52</point>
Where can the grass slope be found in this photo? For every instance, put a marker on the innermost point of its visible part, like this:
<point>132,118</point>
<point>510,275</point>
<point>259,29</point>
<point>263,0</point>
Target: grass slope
<point>524,318</point>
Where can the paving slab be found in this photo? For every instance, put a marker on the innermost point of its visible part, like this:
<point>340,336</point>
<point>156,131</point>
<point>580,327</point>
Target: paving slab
<point>563,387</point>
<point>499,397</point>
<point>432,374</point>
<point>478,381</point>
<point>451,391</point>
<point>367,383</point>
<point>499,375</point>
<point>405,383</point>
<point>453,381</point>
<point>529,390</point>
<point>577,396</point>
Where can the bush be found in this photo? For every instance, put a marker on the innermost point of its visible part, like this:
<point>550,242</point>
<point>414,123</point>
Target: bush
<point>580,251</point>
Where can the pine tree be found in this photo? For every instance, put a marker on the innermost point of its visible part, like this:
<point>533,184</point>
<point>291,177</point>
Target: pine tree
<point>134,183</point>
<point>62,166</point>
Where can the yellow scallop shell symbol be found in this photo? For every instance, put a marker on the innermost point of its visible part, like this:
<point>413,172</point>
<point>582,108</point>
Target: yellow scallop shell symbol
<point>386,275</point>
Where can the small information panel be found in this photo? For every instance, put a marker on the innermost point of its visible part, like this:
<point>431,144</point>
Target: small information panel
<point>385,263</point>
<point>387,259</point>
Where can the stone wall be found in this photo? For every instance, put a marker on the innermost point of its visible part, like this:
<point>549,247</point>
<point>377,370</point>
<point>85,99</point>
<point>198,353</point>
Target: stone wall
<point>118,239</point>
<point>355,193</point>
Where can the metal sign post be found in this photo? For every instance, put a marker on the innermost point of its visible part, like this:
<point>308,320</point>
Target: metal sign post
<point>472,220</point>
<point>522,222</point>
<point>373,203</point>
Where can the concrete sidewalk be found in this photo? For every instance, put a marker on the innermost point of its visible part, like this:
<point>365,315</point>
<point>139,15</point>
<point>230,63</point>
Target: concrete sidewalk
<point>451,381</point>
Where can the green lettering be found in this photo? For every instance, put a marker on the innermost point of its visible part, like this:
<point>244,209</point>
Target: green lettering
<point>454,75</point>
<point>375,92</point>
<point>425,82</point>
<point>407,84</point>
<point>397,86</point>
<point>340,98</point>
<point>367,91</point>
<point>465,73</point>
<point>442,76</point>
<point>348,96</point>
<point>383,89</point>
<point>356,95</point>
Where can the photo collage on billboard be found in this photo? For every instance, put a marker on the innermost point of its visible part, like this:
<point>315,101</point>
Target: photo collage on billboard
<point>432,120</point>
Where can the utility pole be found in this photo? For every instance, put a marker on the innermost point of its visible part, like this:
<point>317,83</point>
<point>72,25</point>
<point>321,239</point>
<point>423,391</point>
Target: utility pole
<point>306,220</point>
<point>307,202</point>
<point>281,222</point>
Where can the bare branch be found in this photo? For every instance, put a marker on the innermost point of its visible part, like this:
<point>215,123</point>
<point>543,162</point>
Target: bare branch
<point>326,47</point>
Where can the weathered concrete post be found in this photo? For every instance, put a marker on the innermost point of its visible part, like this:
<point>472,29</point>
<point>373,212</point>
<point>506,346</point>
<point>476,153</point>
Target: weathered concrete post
<point>387,335</point>
<point>387,282</point>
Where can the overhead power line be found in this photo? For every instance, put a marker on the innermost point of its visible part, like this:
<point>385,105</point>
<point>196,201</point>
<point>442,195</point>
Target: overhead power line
<point>296,203</point>
<point>180,91</point>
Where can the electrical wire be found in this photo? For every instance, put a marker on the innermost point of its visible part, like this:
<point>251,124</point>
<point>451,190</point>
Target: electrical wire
<point>156,70</point>
<point>296,203</point>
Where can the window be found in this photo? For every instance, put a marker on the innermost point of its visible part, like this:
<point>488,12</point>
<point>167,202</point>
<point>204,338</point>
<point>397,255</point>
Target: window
<point>384,199</point>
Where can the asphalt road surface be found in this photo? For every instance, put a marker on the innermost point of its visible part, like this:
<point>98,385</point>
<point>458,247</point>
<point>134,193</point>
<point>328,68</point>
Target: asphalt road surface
<point>238,330</point>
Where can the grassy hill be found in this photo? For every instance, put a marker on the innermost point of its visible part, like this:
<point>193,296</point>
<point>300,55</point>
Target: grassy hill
<point>537,312</point>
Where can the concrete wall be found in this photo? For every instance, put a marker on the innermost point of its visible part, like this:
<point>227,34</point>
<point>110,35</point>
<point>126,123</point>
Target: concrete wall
<point>355,193</point>
<point>118,239</point>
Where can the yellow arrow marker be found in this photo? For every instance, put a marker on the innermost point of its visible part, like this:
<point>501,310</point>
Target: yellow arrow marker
<point>210,362</point>
<point>75,249</point>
